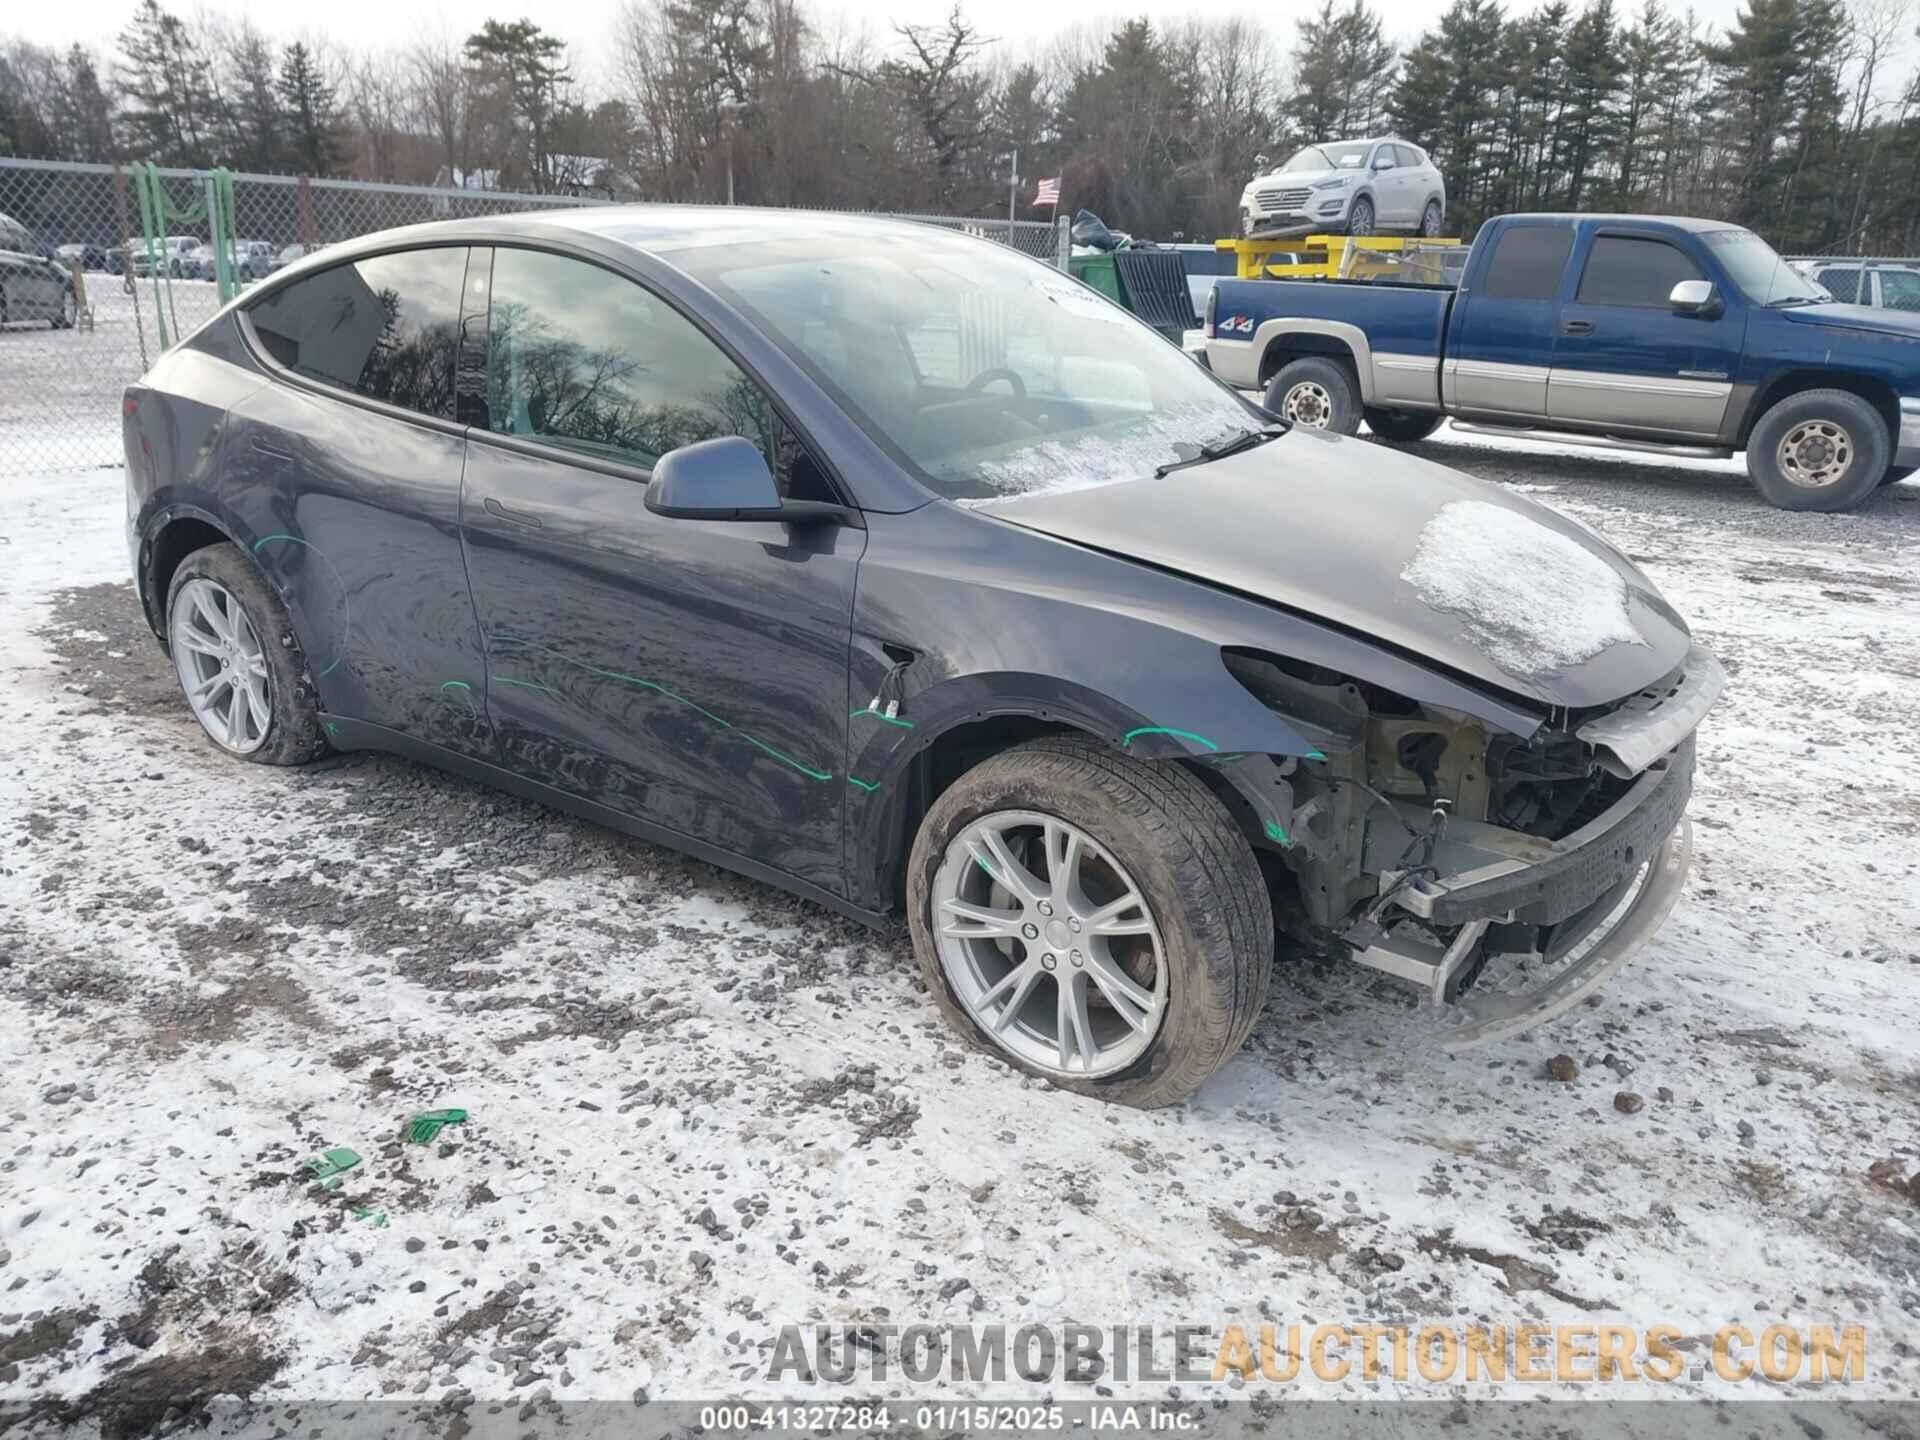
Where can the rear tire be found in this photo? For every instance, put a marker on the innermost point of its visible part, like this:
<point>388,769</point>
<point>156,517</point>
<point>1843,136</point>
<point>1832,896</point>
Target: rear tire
<point>1317,394</point>
<point>1431,219</point>
<point>1403,427</point>
<point>293,733</point>
<point>1201,893</point>
<point>1820,450</point>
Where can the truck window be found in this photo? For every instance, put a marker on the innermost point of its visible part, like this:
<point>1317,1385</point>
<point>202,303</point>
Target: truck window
<point>1900,289</point>
<point>1844,283</point>
<point>1527,261</point>
<point>1630,270</point>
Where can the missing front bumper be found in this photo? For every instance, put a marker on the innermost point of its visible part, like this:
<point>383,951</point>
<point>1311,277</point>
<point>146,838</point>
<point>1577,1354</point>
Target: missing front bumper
<point>1615,937</point>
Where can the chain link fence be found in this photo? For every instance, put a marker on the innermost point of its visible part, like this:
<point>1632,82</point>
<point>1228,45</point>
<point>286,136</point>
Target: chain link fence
<point>64,362</point>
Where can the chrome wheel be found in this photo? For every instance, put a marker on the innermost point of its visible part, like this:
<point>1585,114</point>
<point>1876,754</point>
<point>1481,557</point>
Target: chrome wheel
<point>221,665</point>
<point>1815,454</point>
<point>1430,221</point>
<point>1049,945</point>
<point>1308,404</point>
<point>1362,221</point>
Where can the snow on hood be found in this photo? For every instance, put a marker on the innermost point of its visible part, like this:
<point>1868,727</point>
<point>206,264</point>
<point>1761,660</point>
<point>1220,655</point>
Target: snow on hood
<point>1536,602</point>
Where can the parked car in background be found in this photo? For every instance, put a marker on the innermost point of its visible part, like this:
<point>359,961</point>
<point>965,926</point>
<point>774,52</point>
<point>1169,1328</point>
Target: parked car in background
<point>1682,337</point>
<point>170,251</point>
<point>290,253</point>
<point>1351,187</point>
<point>33,285</point>
<point>79,256</point>
<point>247,260</point>
<point>1867,282</point>
<point>616,511</point>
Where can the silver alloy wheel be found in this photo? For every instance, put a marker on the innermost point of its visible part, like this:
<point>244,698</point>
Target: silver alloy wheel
<point>1357,226</point>
<point>1049,945</point>
<point>1431,220</point>
<point>1308,403</point>
<point>1815,454</point>
<point>221,664</point>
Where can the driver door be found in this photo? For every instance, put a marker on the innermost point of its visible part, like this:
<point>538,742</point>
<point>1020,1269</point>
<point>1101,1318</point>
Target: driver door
<point>691,674</point>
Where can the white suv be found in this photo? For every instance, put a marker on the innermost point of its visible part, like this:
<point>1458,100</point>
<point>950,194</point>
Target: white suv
<point>1353,187</point>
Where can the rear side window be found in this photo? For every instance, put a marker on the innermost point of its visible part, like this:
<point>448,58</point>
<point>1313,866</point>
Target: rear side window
<point>1628,270</point>
<point>387,327</point>
<point>585,359</point>
<point>1844,284</point>
<point>1527,262</point>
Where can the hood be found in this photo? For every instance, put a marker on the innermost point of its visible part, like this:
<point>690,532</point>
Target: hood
<point>1292,179</point>
<point>1450,570</point>
<point>1902,323</point>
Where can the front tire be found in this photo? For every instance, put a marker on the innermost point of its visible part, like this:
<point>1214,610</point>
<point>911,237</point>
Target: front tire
<point>1403,427</point>
<point>1317,394</point>
<point>1819,450</point>
<point>1131,879</point>
<point>1896,473</point>
<point>1360,220</point>
<point>239,662</point>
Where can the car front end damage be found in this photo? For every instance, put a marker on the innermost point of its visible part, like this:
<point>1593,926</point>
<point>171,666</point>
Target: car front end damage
<point>1505,876</point>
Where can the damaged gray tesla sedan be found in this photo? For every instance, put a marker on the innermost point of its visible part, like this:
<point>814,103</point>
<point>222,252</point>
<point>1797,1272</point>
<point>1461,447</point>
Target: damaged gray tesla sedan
<point>889,566</point>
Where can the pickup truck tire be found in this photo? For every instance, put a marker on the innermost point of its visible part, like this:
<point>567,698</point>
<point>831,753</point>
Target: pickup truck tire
<point>1201,932</point>
<point>1403,427</point>
<point>1819,450</point>
<point>1896,473</point>
<point>1316,393</point>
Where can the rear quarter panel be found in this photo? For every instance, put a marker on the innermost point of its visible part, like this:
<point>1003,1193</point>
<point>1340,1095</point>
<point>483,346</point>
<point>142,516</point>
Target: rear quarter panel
<point>1392,332</point>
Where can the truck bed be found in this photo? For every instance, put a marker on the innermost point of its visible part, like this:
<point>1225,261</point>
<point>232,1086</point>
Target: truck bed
<point>1394,329</point>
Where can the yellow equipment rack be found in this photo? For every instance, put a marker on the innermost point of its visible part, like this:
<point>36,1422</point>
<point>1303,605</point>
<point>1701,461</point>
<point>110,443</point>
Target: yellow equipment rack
<point>1339,257</point>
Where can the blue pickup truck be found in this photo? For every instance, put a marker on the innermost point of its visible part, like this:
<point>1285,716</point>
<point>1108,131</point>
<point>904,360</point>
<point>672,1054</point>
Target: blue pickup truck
<point>1681,337</point>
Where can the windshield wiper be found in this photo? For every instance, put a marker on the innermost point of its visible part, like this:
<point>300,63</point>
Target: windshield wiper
<point>1220,449</point>
<point>1785,300</point>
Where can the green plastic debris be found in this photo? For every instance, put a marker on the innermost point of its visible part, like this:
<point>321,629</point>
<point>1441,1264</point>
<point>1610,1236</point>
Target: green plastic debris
<point>379,1217</point>
<point>422,1128</point>
<point>330,1165</point>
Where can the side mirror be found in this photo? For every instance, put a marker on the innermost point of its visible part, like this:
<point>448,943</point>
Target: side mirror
<point>1694,297</point>
<point>1383,163</point>
<point>726,479</point>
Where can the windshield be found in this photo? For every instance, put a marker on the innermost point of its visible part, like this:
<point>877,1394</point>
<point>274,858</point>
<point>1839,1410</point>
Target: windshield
<point>1757,271</point>
<point>1348,156</point>
<point>984,373</point>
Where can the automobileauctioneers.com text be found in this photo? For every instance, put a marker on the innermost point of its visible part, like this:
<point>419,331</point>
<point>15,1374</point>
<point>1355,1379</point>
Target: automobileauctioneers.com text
<point>1332,1354</point>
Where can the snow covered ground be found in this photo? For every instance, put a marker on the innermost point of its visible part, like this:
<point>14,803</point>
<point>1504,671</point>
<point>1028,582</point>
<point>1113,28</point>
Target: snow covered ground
<point>699,1110</point>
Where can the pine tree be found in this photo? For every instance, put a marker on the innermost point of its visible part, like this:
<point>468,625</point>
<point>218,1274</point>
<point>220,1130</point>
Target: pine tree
<point>525,65</point>
<point>1595,75</point>
<point>171,114</point>
<point>311,112</point>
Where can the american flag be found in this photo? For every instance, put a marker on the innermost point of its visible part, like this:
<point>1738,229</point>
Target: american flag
<point>1047,192</point>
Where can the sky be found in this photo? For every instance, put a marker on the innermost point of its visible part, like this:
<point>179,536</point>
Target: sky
<point>587,25</point>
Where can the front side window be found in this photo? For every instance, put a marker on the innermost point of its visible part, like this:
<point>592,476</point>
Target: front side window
<point>983,373</point>
<point>1629,270</point>
<point>587,360</point>
<point>1527,262</point>
<point>387,327</point>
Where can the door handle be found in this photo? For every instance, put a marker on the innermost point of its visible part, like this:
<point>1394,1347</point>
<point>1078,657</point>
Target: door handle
<point>1576,327</point>
<point>511,516</point>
